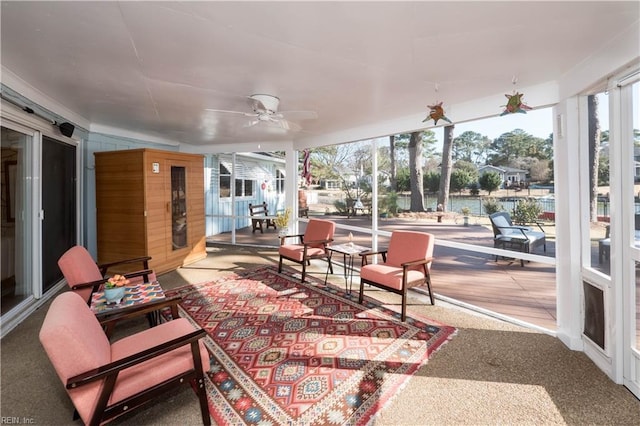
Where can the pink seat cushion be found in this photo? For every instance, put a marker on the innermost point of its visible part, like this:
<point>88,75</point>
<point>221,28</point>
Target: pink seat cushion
<point>296,252</point>
<point>156,370</point>
<point>390,276</point>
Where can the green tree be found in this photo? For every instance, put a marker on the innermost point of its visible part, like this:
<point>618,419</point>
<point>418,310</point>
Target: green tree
<point>517,143</point>
<point>603,171</point>
<point>526,212</point>
<point>491,206</point>
<point>459,180</point>
<point>490,181</point>
<point>431,182</point>
<point>403,180</point>
<point>468,167</point>
<point>472,147</point>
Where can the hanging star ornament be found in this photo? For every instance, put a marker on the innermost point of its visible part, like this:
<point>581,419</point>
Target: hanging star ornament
<point>436,112</point>
<point>515,105</point>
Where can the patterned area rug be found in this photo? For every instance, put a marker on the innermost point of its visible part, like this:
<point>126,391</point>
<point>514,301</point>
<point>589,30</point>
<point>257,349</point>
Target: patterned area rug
<point>286,353</point>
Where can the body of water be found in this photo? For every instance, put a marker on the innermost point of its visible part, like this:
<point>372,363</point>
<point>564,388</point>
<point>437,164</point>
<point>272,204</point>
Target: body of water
<point>456,203</point>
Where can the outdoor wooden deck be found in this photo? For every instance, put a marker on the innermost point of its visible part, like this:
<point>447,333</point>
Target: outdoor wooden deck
<point>526,293</point>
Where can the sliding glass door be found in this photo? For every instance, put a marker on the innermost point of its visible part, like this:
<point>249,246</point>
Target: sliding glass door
<point>17,230</point>
<point>59,202</point>
<point>39,215</point>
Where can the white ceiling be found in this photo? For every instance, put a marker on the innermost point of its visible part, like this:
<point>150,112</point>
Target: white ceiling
<point>152,68</point>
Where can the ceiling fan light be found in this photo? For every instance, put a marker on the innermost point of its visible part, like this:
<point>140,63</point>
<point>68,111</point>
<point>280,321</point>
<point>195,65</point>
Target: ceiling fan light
<point>265,102</point>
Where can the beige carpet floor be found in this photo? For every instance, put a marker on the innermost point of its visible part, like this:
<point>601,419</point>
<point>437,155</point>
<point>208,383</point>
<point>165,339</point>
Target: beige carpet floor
<point>491,373</point>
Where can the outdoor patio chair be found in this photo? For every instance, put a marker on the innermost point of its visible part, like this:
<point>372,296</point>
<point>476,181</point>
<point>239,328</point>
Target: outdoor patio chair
<point>510,237</point>
<point>604,245</point>
<point>107,380</point>
<point>405,264</point>
<point>84,275</point>
<point>313,244</point>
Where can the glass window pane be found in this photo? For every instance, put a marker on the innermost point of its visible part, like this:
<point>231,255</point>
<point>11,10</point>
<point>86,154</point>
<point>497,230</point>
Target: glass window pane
<point>225,186</point>
<point>17,229</point>
<point>636,324</point>
<point>178,207</point>
<point>599,208</point>
<point>248,188</point>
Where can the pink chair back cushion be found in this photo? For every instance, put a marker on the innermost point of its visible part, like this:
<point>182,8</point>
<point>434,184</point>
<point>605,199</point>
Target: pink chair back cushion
<point>75,343</point>
<point>319,229</point>
<point>156,370</point>
<point>78,267</point>
<point>406,246</point>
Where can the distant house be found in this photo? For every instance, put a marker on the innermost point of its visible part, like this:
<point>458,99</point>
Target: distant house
<point>508,175</point>
<point>258,178</point>
<point>604,153</point>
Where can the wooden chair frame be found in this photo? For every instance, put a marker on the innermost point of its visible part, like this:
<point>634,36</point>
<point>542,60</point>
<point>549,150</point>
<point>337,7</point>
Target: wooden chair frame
<point>257,222</point>
<point>306,258</point>
<point>109,373</point>
<point>405,285</point>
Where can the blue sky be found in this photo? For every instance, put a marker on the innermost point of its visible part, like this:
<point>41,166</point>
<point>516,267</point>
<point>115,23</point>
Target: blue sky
<point>536,123</point>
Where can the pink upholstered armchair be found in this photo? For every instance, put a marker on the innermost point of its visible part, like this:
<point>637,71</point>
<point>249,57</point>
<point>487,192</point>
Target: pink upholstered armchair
<point>106,380</point>
<point>85,276</point>
<point>313,244</point>
<point>406,263</point>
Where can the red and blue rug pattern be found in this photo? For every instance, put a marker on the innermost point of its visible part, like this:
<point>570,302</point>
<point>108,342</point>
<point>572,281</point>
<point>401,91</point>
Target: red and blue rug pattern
<point>291,353</point>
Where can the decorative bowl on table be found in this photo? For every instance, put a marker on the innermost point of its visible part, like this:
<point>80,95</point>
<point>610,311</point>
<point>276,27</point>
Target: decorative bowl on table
<point>114,294</point>
<point>114,288</point>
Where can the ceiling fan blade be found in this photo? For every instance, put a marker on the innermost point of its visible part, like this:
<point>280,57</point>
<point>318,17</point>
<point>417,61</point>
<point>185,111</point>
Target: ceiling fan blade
<point>299,115</point>
<point>246,114</point>
<point>251,123</point>
<point>290,126</point>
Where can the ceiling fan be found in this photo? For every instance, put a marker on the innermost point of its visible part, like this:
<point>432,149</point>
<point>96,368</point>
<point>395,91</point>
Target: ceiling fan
<point>265,110</point>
